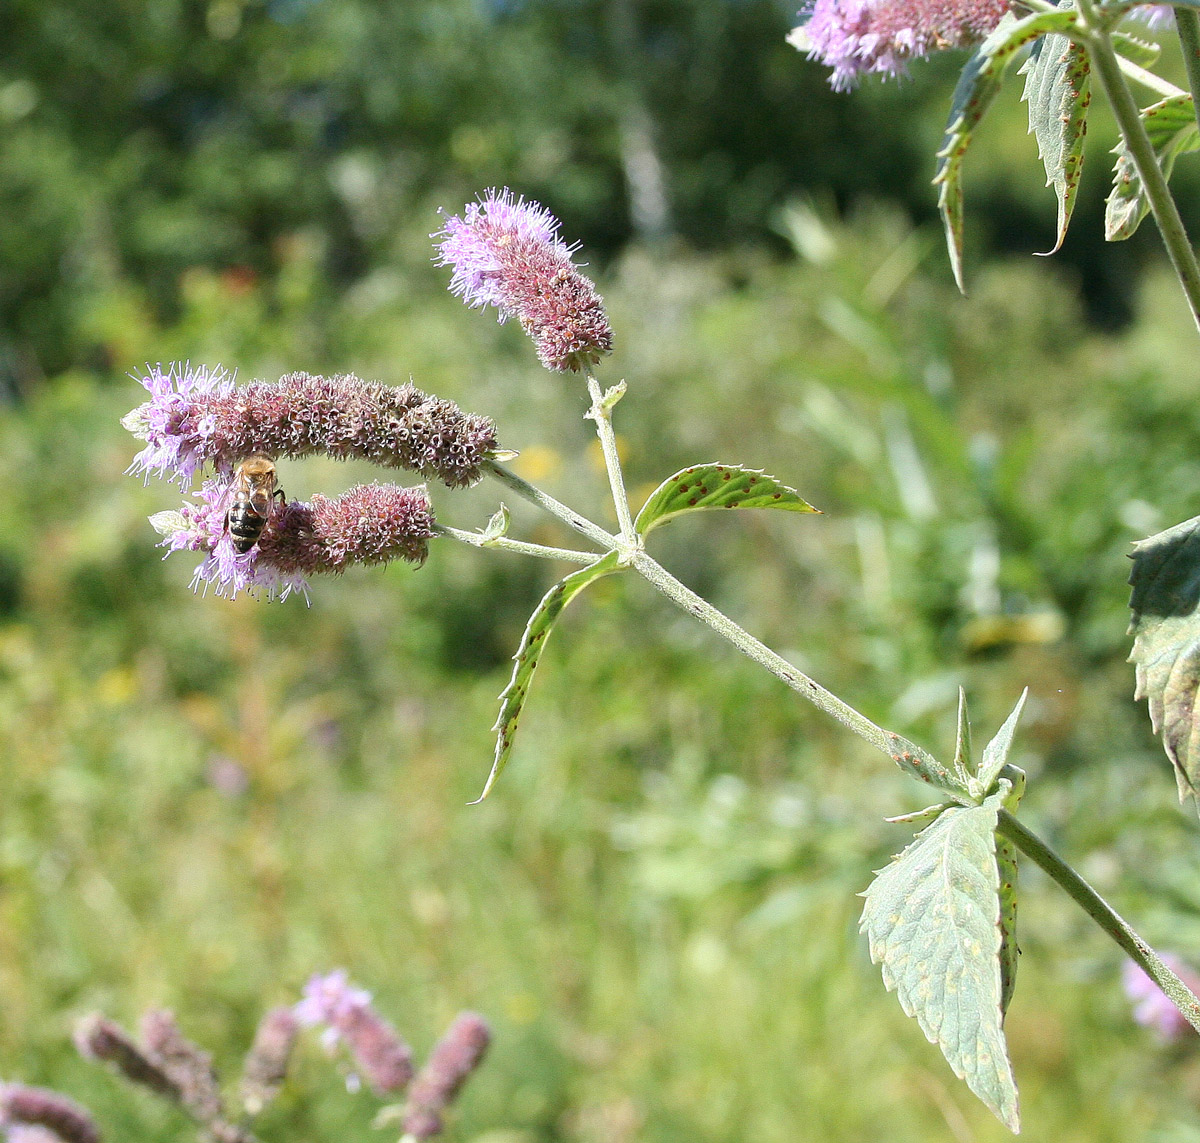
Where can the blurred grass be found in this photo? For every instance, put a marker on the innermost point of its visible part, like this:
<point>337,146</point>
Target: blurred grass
<point>205,802</point>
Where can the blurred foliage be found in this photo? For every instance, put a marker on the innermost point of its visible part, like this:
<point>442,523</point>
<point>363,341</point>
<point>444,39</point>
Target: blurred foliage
<point>141,140</point>
<point>205,802</point>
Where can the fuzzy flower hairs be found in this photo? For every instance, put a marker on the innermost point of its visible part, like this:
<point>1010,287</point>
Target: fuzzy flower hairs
<point>860,37</point>
<point>507,253</point>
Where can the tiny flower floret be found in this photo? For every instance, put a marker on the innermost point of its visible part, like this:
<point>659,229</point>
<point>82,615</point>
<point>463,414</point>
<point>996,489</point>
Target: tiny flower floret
<point>507,253</point>
<point>858,37</point>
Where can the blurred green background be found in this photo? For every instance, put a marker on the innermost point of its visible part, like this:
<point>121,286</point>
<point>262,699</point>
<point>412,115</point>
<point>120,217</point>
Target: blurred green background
<point>204,802</point>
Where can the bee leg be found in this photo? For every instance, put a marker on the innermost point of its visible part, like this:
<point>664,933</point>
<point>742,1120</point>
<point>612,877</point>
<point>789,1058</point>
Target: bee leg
<point>279,492</point>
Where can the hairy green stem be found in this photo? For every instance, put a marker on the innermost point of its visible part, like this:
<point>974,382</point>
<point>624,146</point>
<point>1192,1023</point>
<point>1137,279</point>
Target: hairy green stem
<point>535,495</point>
<point>504,544</point>
<point>1104,915</point>
<point>1133,130</point>
<point>1187,24</point>
<point>1149,80</point>
<point>601,413</point>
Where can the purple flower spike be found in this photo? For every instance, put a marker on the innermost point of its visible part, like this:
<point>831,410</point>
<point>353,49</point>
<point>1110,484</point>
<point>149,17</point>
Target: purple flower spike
<point>29,1112</point>
<point>197,416</point>
<point>369,524</point>
<point>507,253</point>
<point>1151,1007</point>
<point>379,1053</point>
<point>858,37</point>
<point>455,1056</point>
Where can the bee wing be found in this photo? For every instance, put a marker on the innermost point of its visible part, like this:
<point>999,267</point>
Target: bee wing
<point>260,501</point>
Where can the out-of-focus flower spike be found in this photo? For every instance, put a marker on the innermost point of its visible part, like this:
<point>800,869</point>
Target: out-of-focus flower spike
<point>455,1056</point>
<point>267,1061</point>
<point>507,253</point>
<point>99,1038</point>
<point>187,1064</point>
<point>380,1054</point>
<point>1151,1006</point>
<point>860,37</point>
<point>26,1112</point>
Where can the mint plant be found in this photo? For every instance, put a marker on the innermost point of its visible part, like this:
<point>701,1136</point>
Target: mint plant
<point>941,918</point>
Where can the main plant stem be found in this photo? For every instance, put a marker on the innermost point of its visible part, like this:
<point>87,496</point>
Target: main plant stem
<point>1187,24</point>
<point>1133,130</point>
<point>1104,915</point>
<point>911,758</point>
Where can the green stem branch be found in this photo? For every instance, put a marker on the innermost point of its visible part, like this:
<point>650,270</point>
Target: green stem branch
<point>504,544</point>
<point>1104,915</point>
<point>601,413</point>
<point>535,495</point>
<point>1162,204</point>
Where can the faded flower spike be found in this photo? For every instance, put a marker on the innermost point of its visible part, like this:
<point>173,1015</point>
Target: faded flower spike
<point>37,1115</point>
<point>267,1062</point>
<point>506,253</point>
<point>369,524</point>
<point>99,1038</point>
<point>857,37</point>
<point>455,1056</point>
<point>379,1053</point>
<point>196,416</point>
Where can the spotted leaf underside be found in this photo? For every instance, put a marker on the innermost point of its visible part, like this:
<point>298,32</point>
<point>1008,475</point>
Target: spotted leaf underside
<point>541,623</point>
<point>1058,91</point>
<point>933,920</point>
<point>716,486</point>
<point>977,86</point>
<point>1166,643</point>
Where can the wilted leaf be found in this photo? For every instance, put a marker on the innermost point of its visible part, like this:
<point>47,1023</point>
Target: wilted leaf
<point>1166,644</point>
<point>933,921</point>
<point>1006,865</point>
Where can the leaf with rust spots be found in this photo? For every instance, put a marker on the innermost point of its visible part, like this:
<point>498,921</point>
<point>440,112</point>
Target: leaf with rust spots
<point>977,86</point>
<point>716,486</point>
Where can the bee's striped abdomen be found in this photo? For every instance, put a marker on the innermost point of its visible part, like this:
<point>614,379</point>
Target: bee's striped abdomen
<point>245,525</point>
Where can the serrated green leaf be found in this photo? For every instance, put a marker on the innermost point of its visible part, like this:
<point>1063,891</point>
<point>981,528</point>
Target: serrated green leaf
<point>541,622</point>
<point>1136,50</point>
<point>716,486</point>
<point>977,87</point>
<point>995,753</point>
<point>925,815</point>
<point>1166,644</point>
<point>1058,91</point>
<point>933,921</point>
<point>1006,866</point>
<point>1171,125</point>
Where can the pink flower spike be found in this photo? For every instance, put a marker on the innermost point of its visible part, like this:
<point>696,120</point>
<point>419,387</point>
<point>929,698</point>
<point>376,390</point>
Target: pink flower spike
<point>507,253</point>
<point>859,37</point>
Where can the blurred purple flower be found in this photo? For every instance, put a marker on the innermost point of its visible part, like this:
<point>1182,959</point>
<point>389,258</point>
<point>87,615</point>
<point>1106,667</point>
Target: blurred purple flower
<point>31,1114</point>
<point>197,416</point>
<point>346,1014</point>
<point>455,1056</point>
<point>1151,1008</point>
<point>267,1061</point>
<point>507,253</point>
<point>369,524</point>
<point>1155,16</point>
<point>858,37</point>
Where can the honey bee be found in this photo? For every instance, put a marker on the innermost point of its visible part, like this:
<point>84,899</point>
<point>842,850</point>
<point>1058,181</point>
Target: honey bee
<point>254,489</point>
